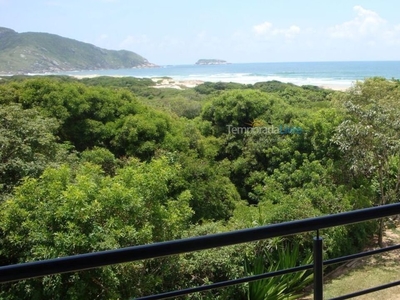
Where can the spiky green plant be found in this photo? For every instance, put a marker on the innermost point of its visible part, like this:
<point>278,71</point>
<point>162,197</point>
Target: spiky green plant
<point>287,286</point>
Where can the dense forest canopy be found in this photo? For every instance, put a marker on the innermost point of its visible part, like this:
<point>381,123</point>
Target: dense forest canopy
<point>104,163</point>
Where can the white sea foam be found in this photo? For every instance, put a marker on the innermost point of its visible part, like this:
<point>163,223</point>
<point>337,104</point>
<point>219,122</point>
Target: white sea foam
<point>248,78</point>
<point>337,75</point>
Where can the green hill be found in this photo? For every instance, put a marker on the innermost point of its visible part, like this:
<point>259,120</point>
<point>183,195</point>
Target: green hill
<point>34,52</point>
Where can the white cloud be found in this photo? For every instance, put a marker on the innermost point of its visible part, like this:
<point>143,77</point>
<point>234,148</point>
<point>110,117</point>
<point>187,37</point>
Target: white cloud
<point>365,23</point>
<point>266,29</point>
<point>289,32</point>
<point>369,27</point>
<point>262,29</point>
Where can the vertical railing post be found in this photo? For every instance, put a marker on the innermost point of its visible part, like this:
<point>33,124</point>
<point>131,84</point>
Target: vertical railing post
<point>318,268</point>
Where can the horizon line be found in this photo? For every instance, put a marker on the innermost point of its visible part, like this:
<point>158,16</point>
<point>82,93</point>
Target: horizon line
<point>279,62</point>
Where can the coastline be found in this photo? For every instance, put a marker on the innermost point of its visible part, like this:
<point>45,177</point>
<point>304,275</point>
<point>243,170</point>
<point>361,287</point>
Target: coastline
<point>175,84</point>
<point>338,76</point>
<point>162,82</point>
<point>336,87</point>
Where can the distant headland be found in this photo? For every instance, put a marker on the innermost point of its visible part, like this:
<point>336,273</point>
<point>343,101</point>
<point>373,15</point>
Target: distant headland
<point>36,52</point>
<point>211,62</point>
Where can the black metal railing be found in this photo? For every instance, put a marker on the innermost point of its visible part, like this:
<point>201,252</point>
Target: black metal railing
<point>129,254</point>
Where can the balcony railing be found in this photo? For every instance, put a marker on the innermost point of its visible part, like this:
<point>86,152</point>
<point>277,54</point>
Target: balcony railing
<point>98,259</point>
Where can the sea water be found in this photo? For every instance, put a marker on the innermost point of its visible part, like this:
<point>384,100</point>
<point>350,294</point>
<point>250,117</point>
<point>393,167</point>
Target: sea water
<point>301,73</point>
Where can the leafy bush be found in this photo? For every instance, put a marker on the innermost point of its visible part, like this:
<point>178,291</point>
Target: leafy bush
<point>73,211</point>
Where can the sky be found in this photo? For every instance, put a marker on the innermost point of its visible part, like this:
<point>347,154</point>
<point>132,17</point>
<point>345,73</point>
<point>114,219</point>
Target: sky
<point>181,32</point>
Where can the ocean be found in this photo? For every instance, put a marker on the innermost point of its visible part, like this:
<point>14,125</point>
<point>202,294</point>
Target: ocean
<point>327,74</point>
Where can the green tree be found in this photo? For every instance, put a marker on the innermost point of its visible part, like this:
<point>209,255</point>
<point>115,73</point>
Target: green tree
<point>214,196</point>
<point>102,157</point>
<point>27,144</point>
<point>70,211</point>
<point>94,116</point>
<point>238,108</point>
<point>370,136</point>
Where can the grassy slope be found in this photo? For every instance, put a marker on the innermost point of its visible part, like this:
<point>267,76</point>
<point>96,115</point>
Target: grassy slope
<point>40,52</point>
<point>367,273</point>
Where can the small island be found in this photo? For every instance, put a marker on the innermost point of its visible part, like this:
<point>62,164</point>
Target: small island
<point>211,62</point>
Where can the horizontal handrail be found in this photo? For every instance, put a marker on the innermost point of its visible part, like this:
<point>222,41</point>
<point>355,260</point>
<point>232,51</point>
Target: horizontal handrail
<point>222,284</point>
<point>103,258</point>
<point>226,283</point>
<point>341,259</point>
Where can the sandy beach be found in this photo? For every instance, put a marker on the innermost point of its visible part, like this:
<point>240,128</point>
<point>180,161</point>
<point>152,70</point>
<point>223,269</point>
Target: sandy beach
<point>163,82</point>
<point>175,84</point>
<point>336,87</point>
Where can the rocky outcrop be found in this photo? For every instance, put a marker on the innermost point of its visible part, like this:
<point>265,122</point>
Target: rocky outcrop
<point>211,62</point>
